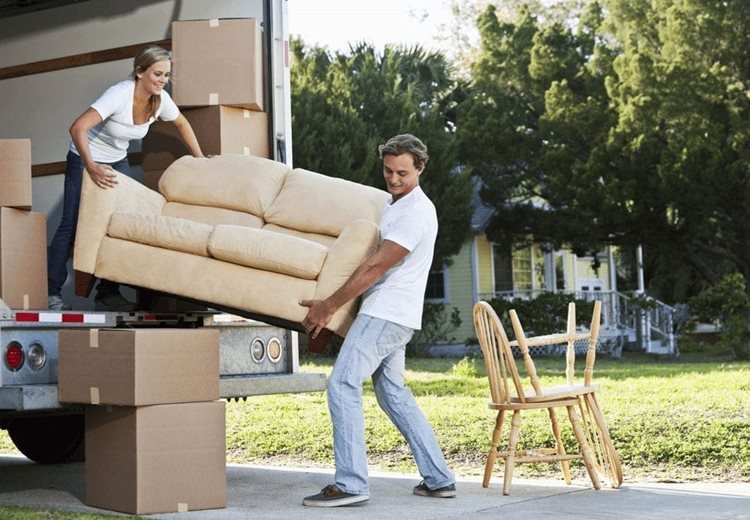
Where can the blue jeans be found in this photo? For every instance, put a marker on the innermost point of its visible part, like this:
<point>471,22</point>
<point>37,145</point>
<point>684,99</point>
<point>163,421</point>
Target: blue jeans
<point>376,347</point>
<point>58,251</point>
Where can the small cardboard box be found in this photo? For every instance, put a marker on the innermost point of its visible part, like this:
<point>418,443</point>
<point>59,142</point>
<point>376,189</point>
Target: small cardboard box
<point>156,459</point>
<point>15,173</point>
<point>23,258</point>
<point>219,130</point>
<point>137,367</point>
<point>218,62</point>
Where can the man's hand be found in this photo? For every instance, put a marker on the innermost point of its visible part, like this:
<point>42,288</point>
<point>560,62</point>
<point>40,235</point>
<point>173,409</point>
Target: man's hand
<point>102,175</point>
<point>318,316</point>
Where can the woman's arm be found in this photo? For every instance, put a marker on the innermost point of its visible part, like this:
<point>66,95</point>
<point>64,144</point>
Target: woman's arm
<point>188,136</point>
<point>102,175</point>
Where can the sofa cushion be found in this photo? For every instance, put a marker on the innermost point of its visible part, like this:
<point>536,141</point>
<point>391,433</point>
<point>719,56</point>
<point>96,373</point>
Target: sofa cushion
<point>316,203</point>
<point>326,240</point>
<point>156,230</point>
<point>211,216</point>
<point>239,182</point>
<point>267,250</point>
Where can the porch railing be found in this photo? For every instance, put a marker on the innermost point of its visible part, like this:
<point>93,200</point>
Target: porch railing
<point>643,320</point>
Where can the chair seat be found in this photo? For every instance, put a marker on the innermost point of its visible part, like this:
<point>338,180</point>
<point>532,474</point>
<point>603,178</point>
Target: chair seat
<point>554,393</point>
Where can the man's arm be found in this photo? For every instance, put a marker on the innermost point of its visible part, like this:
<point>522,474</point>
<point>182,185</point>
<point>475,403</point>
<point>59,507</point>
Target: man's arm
<point>365,276</point>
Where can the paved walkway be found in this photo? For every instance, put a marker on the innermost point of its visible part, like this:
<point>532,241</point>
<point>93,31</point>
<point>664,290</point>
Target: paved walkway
<point>259,492</point>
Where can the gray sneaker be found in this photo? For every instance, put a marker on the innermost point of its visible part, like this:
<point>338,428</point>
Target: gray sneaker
<point>114,302</point>
<point>332,496</point>
<point>56,303</point>
<point>448,491</point>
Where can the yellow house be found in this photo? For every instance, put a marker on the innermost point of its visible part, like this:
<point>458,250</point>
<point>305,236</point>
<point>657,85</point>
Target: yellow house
<point>483,270</point>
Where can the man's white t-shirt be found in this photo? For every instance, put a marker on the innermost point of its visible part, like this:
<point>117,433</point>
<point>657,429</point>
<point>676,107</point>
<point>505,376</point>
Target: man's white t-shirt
<point>109,140</point>
<point>411,222</point>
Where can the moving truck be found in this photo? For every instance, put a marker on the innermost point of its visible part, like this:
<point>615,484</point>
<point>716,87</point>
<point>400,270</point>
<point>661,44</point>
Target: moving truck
<point>57,57</point>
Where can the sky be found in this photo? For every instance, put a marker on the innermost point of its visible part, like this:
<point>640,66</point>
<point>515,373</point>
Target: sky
<point>337,23</point>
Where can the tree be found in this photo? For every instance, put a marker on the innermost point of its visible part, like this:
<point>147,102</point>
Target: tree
<point>619,126</point>
<point>345,104</point>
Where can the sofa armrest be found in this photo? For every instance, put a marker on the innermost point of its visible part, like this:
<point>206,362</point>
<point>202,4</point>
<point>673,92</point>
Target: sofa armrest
<point>357,242</point>
<point>96,207</point>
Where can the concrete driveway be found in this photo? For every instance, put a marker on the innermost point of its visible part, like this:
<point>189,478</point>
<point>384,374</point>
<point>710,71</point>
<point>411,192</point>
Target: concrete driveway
<point>271,493</point>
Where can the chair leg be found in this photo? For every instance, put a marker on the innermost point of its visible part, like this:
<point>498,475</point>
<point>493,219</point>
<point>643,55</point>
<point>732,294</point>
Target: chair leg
<point>492,455</point>
<point>564,465</point>
<point>588,457</point>
<point>610,457</point>
<point>510,461</point>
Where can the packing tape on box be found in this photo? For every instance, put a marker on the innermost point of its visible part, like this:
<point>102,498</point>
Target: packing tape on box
<point>213,22</point>
<point>25,302</point>
<point>93,338</point>
<point>246,114</point>
<point>182,507</point>
<point>213,98</point>
<point>246,150</point>
<point>94,390</point>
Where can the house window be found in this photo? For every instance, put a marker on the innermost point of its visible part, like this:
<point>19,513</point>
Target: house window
<point>559,272</point>
<point>522,270</point>
<point>436,286</point>
<point>503,268</point>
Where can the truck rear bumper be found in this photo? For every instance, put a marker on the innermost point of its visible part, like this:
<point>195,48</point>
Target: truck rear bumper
<point>44,397</point>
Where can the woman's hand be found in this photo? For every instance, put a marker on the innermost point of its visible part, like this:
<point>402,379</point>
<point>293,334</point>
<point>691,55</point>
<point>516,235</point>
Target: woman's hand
<point>103,175</point>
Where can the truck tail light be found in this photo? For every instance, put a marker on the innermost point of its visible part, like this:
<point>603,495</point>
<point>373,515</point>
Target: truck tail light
<point>37,356</point>
<point>14,356</point>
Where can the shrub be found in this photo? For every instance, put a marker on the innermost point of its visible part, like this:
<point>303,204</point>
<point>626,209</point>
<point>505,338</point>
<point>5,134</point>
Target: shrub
<point>545,314</point>
<point>727,304</point>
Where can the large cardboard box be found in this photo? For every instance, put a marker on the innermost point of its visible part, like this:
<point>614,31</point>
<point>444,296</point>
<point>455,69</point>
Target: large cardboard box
<point>137,367</point>
<point>219,130</point>
<point>218,62</point>
<point>23,258</point>
<point>15,173</point>
<point>156,459</point>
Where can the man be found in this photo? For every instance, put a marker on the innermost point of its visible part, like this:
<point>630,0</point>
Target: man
<point>392,282</point>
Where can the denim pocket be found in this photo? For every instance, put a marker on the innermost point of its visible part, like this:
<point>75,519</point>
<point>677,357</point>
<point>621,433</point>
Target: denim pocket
<point>392,337</point>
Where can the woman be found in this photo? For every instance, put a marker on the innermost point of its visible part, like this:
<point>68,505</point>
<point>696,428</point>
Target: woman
<point>100,139</point>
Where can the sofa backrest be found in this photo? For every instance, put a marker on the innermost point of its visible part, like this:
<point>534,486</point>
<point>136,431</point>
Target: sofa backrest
<point>315,203</point>
<point>235,182</point>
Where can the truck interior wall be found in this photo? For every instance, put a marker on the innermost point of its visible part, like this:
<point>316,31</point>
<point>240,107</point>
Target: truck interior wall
<point>42,106</point>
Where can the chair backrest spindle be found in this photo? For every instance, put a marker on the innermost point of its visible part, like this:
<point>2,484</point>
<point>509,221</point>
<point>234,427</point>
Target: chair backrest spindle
<point>498,357</point>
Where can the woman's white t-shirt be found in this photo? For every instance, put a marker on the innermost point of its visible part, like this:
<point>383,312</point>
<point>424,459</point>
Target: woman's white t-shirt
<point>109,140</point>
<point>398,296</point>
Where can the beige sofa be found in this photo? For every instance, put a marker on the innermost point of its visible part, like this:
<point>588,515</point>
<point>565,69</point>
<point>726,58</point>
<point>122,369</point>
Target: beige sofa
<point>242,233</point>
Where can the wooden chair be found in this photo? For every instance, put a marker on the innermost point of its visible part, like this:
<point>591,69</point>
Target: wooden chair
<point>509,395</point>
<point>606,460</point>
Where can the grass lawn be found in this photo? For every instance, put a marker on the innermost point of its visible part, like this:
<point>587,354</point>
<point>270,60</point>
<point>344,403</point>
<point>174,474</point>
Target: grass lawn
<point>675,420</point>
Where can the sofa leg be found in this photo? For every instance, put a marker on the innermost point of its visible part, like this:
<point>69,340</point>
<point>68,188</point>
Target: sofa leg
<point>319,344</point>
<point>84,283</point>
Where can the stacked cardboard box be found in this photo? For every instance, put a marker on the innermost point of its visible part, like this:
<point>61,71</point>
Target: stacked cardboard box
<point>23,233</point>
<point>218,85</point>
<point>155,431</point>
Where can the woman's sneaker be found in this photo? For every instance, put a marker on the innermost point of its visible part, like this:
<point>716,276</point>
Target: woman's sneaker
<point>332,496</point>
<point>448,491</point>
<point>56,303</point>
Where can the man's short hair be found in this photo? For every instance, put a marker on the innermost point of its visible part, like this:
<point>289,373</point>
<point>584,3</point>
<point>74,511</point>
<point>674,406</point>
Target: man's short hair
<point>406,143</point>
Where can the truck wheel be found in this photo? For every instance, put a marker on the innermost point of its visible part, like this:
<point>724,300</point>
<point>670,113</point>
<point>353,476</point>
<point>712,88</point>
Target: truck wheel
<point>49,439</point>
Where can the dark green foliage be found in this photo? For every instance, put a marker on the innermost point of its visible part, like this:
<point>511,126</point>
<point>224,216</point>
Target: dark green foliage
<point>345,104</point>
<point>727,304</point>
<point>545,314</point>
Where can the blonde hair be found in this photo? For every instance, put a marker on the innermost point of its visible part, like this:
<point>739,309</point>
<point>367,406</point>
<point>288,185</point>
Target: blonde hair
<point>141,63</point>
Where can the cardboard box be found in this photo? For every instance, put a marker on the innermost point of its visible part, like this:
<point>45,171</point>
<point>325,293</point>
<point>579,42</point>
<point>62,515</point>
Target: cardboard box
<point>219,130</point>
<point>23,258</point>
<point>137,367</point>
<point>156,459</point>
<point>218,62</point>
<point>15,173</point>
